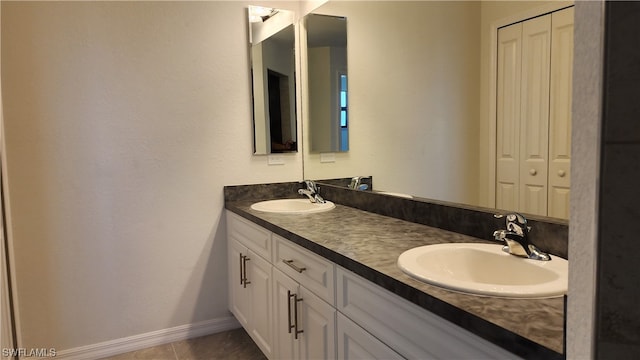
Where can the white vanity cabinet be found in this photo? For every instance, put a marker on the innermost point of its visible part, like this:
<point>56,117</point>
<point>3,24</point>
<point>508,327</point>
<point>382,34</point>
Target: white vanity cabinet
<point>250,283</point>
<point>274,303</point>
<point>296,304</point>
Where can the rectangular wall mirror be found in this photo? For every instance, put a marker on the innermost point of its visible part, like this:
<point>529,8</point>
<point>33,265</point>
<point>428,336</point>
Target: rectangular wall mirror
<point>426,101</point>
<point>327,83</point>
<point>272,50</point>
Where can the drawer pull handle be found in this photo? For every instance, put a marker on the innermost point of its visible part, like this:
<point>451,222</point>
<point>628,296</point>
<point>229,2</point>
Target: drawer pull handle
<point>294,266</point>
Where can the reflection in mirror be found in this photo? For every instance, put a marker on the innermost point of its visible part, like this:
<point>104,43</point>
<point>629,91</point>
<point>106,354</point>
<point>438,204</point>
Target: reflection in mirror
<point>327,77</point>
<point>421,114</point>
<point>272,44</point>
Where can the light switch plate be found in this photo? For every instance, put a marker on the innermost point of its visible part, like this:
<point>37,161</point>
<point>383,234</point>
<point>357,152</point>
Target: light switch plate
<point>275,160</point>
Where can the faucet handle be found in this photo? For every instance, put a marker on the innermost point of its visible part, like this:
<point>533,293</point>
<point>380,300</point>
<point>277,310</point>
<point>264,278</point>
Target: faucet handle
<point>515,222</point>
<point>311,185</point>
<point>511,217</point>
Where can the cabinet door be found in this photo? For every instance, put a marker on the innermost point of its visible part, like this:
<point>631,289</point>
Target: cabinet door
<point>508,117</point>
<point>560,113</point>
<point>354,343</point>
<point>318,323</point>
<point>250,294</point>
<point>285,292</point>
<point>239,302</point>
<point>259,285</point>
<point>534,115</point>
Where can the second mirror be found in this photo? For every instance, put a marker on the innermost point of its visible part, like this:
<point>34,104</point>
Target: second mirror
<point>327,83</point>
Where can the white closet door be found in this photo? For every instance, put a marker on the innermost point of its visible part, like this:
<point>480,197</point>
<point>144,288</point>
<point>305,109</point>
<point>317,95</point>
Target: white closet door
<point>560,113</point>
<point>508,116</point>
<point>534,115</point>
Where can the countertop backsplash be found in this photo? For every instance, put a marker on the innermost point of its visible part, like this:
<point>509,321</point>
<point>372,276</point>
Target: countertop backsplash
<point>550,235</point>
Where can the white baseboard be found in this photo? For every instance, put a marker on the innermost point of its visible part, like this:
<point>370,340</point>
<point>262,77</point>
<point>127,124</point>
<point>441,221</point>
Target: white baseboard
<point>154,338</point>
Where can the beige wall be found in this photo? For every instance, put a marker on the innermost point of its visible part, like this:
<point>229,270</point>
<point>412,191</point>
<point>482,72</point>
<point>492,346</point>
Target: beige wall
<point>123,122</point>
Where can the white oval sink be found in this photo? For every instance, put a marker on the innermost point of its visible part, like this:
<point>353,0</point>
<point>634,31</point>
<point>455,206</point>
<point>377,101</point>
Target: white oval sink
<point>484,269</point>
<point>292,206</point>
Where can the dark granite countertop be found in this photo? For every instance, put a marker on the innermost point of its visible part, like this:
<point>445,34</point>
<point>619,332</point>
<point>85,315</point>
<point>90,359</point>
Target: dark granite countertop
<point>369,244</point>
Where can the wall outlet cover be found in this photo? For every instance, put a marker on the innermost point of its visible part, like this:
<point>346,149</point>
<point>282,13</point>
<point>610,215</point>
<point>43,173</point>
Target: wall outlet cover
<point>327,157</point>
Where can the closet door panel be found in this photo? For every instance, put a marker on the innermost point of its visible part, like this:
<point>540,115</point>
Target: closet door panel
<point>508,116</point>
<point>560,113</point>
<point>534,115</point>
<point>534,199</point>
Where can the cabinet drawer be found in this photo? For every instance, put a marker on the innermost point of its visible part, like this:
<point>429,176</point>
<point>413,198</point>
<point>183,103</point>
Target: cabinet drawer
<point>314,272</point>
<point>410,330</point>
<point>254,237</point>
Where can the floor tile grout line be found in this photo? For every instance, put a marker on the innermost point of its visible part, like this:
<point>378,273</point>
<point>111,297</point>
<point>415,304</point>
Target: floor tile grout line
<point>175,354</point>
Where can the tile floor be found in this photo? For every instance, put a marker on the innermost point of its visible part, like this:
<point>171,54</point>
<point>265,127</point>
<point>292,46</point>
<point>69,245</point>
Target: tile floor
<point>233,344</point>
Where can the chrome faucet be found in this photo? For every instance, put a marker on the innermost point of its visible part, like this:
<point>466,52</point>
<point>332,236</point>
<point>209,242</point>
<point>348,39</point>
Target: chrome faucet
<point>312,192</point>
<point>516,237</point>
